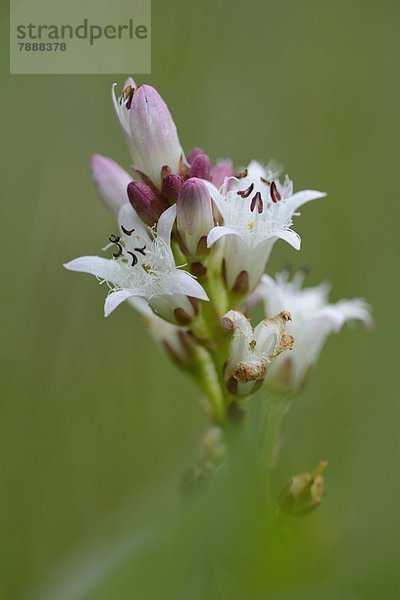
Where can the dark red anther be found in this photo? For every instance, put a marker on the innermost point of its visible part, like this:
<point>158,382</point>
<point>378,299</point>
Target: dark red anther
<point>257,202</point>
<point>246,193</point>
<point>127,96</point>
<point>275,195</point>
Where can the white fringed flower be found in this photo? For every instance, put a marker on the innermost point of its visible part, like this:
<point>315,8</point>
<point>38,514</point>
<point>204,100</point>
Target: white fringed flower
<point>256,210</point>
<point>252,351</point>
<point>143,265</point>
<point>313,319</point>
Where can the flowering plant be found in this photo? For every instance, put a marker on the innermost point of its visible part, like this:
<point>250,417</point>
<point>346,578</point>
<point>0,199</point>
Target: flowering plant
<point>190,255</point>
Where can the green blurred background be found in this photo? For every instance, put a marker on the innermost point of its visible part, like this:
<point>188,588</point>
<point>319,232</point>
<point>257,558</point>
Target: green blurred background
<point>96,427</point>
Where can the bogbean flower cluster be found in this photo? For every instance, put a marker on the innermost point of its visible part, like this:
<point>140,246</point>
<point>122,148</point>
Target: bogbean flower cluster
<point>190,255</point>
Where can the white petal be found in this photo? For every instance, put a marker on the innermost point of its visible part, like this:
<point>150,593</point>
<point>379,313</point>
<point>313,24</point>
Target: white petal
<point>94,265</point>
<point>217,233</point>
<point>114,299</point>
<point>355,309</point>
<point>300,198</point>
<point>141,305</point>
<point>334,316</point>
<point>291,237</point>
<point>183,283</point>
<point>165,224</point>
<point>217,198</point>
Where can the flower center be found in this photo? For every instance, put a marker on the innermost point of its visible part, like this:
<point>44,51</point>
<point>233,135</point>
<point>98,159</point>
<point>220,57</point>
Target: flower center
<point>257,202</point>
<point>116,240</point>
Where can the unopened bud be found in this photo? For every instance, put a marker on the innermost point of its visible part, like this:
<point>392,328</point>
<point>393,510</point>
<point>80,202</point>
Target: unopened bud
<point>303,492</point>
<point>175,308</point>
<point>154,137</point>
<point>194,216</point>
<point>171,186</point>
<point>146,201</point>
<point>110,181</point>
<point>194,154</point>
<point>201,167</point>
<point>221,171</point>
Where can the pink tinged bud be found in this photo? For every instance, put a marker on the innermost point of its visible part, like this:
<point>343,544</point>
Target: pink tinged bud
<point>110,181</point>
<point>221,171</point>
<point>193,154</point>
<point>201,167</point>
<point>154,135</point>
<point>194,216</point>
<point>146,201</point>
<point>171,187</point>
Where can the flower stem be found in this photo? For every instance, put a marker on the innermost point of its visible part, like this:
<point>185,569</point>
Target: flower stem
<point>274,409</point>
<point>209,381</point>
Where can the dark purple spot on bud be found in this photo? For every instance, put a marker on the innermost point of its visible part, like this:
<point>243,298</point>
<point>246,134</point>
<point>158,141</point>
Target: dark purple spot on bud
<point>275,195</point>
<point>257,202</point>
<point>182,317</point>
<point>246,193</point>
<point>241,285</point>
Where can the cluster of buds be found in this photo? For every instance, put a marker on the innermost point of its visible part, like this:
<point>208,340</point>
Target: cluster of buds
<point>190,255</point>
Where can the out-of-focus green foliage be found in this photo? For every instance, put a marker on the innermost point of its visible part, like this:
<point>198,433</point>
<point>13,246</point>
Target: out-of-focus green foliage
<point>96,428</point>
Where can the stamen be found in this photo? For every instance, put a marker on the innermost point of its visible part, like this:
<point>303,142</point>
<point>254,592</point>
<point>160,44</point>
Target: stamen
<point>141,250</point>
<point>243,174</point>
<point>127,231</point>
<point>127,96</point>
<point>134,259</point>
<point>246,193</point>
<point>275,195</point>
<point>265,181</point>
<point>257,202</point>
<point>114,239</point>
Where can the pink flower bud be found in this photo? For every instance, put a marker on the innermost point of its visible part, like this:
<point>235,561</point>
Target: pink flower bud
<point>154,136</point>
<point>194,154</point>
<point>146,201</point>
<point>110,181</point>
<point>194,216</point>
<point>221,171</point>
<point>201,167</point>
<point>171,186</point>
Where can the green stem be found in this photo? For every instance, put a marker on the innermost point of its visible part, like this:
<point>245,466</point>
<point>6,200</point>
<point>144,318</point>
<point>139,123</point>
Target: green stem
<point>274,410</point>
<point>210,383</point>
